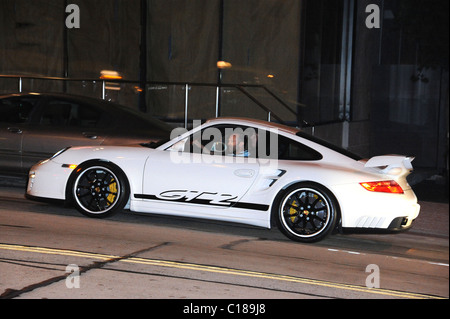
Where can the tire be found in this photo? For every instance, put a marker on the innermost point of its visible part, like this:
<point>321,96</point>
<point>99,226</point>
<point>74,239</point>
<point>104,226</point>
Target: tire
<point>99,189</point>
<point>306,212</point>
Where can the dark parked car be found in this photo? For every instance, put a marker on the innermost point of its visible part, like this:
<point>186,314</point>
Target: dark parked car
<point>33,126</point>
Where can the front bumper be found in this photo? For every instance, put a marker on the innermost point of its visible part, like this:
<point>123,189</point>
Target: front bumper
<point>48,179</point>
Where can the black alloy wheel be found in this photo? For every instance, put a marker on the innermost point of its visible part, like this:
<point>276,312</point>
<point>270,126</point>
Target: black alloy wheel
<point>306,212</point>
<point>100,190</point>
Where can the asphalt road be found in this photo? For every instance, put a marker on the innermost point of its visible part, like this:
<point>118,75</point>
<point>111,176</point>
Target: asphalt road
<point>49,251</point>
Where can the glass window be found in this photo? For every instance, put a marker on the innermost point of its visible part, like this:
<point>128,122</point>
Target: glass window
<point>242,141</point>
<point>221,140</point>
<point>16,110</point>
<point>85,116</point>
<point>63,113</point>
<point>283,148</point>
<point>292,150</point>
<point>56,114</point>
<point>333,147</point>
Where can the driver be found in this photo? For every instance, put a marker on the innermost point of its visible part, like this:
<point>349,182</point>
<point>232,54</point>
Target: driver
<point>236,145</point>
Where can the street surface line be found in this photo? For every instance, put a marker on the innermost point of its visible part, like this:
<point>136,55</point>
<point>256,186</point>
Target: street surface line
<point>218,269</point>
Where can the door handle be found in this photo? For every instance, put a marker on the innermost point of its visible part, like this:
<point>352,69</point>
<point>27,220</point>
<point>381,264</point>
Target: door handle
<point>15,130</point>
<point>247,173</point>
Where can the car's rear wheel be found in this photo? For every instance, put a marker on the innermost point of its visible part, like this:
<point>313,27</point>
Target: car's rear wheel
<point>99,190</point>
<point>306,212</point>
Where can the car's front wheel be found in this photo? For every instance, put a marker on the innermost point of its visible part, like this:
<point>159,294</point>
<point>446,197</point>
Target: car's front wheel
<point>306,212</point>
<point>99,190</point>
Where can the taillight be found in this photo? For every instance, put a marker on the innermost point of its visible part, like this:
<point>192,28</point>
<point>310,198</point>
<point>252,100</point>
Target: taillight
<point>383,187</point>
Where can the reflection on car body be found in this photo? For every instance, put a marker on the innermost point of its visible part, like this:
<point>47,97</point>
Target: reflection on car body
<point>33,126</point>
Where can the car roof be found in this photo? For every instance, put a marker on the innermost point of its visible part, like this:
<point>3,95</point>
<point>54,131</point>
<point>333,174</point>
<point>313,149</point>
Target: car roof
<point>287,129</point>
<point>105,105</point>
<point>248,121</point>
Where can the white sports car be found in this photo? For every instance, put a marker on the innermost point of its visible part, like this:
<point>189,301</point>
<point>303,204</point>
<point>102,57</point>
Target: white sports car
<point>235,170</point>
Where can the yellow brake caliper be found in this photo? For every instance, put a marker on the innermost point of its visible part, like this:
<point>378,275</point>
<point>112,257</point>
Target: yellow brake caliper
<point>293,211</point>
<point>112,189</point>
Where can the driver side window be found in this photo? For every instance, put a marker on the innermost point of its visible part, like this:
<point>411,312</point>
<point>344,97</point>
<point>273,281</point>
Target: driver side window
<point>220,140</point>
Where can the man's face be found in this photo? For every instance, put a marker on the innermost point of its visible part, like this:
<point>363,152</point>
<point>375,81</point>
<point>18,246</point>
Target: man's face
<point>235,143</point>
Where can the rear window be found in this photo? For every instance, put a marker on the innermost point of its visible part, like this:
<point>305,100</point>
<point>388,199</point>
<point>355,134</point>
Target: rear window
<point>333,147</point>
<point>292,150</point>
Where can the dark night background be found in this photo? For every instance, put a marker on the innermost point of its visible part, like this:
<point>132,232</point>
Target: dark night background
<point>374,91</point>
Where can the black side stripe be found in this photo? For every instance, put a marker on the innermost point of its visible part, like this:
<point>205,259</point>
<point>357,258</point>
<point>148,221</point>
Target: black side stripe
<point>251,206</point>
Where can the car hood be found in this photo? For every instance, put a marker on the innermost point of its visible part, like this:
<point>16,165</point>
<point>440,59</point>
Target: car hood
<point>77,155</point>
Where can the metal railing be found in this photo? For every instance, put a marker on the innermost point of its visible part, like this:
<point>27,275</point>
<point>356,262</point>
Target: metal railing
<point>242,88</point>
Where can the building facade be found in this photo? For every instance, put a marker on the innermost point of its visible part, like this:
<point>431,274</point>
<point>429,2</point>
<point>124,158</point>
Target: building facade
<point>368,75</point>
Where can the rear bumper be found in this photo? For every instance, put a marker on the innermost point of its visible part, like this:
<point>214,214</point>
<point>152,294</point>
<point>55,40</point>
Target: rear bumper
<point>400,223</point>
<point>368,210</point>
<point>399,219</point>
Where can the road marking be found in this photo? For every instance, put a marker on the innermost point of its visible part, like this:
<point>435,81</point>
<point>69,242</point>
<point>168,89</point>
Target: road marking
<point>262,275</point>
<point>346,251</point>
<point>439,264</point>
<point>218,269</point>
<point>394,257</point>
<point>52,251</point>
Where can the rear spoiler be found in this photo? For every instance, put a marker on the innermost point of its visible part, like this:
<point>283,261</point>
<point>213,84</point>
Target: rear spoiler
<point>391,164</point>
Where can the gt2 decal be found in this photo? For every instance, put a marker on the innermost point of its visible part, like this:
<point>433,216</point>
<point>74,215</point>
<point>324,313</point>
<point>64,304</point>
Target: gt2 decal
<point>202,198</point>
<point>196,196</point>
